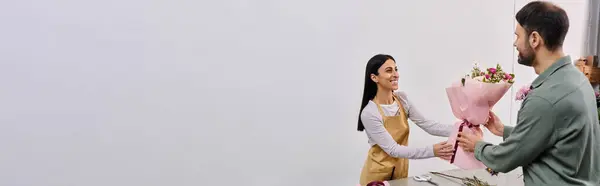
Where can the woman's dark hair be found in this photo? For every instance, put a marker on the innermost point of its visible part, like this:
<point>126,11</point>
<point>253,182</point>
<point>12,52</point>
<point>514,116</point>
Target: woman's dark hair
<point>370,89</point>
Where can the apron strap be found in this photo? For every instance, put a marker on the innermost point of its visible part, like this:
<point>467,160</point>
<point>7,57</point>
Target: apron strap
<point>397,100</point>
<point>400,106</point>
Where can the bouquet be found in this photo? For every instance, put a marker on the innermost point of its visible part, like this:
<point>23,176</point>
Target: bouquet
<point>471,100</point>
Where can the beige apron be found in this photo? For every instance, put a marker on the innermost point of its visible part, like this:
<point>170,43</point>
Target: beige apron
<point>380,166</point>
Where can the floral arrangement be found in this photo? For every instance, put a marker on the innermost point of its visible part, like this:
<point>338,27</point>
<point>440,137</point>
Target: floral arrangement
<point>471,100</point>
<point>523,92</point>
<point>490,75</point>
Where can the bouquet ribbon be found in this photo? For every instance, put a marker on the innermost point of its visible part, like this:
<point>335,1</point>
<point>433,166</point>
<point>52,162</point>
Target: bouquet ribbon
<point>464,123</point>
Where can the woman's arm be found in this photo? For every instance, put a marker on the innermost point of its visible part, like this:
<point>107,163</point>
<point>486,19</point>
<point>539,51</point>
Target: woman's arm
<point>376,131</point>
<point>430,126</point>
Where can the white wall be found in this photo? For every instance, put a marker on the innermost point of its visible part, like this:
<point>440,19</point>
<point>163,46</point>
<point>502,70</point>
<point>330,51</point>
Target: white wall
<point>155,93</point>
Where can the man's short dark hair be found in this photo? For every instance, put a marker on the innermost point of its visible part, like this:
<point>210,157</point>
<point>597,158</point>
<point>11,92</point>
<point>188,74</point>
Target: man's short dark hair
<point>549,20</point>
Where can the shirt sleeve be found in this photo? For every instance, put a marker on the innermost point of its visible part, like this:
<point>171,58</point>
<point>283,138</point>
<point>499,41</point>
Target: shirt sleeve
<point>533,134</point>
<point>430,126</point>
<point>377,132</point>
<point>507,131</point>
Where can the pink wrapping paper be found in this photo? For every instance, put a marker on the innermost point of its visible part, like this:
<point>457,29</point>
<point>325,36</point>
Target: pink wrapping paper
<point>471,104</point>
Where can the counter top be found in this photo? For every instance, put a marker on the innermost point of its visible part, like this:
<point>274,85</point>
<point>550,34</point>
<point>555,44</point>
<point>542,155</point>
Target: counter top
<point>513,178</point>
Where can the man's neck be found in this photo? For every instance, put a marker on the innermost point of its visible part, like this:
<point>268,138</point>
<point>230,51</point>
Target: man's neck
<point>545,59</point>
<point>385,97</point>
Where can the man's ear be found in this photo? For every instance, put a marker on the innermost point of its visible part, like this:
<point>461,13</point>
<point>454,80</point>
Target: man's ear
<point>374,78</point>
<point>535,40</point>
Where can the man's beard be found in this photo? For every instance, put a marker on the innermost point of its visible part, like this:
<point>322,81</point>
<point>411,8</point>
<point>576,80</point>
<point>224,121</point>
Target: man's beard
<point>526,58</point>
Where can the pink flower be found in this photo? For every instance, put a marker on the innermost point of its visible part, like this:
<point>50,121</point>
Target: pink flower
<point>487,76</point>
<point>507,76</point>
<point>492,70</point>
<point>378,183</point>
<point>523,92</point>
<point>597,94</point>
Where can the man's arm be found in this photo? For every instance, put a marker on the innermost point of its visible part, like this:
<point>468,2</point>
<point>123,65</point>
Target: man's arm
<point>533,133</point>
<point>507,131</point>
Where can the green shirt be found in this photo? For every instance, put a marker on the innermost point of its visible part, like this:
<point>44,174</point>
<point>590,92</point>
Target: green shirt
<point>557,136</point>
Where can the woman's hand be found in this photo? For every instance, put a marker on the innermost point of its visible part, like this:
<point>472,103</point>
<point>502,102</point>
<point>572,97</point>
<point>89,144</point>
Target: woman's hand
<point>443,150</point>
<point>494,125</point>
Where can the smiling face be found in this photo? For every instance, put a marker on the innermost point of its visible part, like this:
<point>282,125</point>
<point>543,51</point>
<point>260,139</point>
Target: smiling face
<point>522,43</point>
<point>387,77</point>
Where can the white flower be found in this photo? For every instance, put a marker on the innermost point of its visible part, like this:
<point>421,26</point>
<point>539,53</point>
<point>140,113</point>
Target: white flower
<point>479,78</point>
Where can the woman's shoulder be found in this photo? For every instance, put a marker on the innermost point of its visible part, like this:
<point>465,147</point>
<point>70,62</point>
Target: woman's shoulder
<point>401,94</point>
<point>404,100</point>
<point>370,110</point>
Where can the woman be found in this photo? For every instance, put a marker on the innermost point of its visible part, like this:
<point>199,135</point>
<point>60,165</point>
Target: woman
<point>384,115</point>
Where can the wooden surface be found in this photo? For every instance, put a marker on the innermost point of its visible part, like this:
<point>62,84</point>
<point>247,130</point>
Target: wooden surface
<point>513,178</point>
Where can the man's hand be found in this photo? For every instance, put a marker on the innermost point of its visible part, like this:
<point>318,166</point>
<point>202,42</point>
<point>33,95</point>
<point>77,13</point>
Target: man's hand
<point>494,125</point>
<point>467,141</point>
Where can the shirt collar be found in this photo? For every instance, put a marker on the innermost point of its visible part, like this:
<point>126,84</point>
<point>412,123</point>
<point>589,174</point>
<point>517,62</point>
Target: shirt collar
<point>548,72</point>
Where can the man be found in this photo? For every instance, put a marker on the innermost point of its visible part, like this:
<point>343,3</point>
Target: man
<point>557,136</point>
